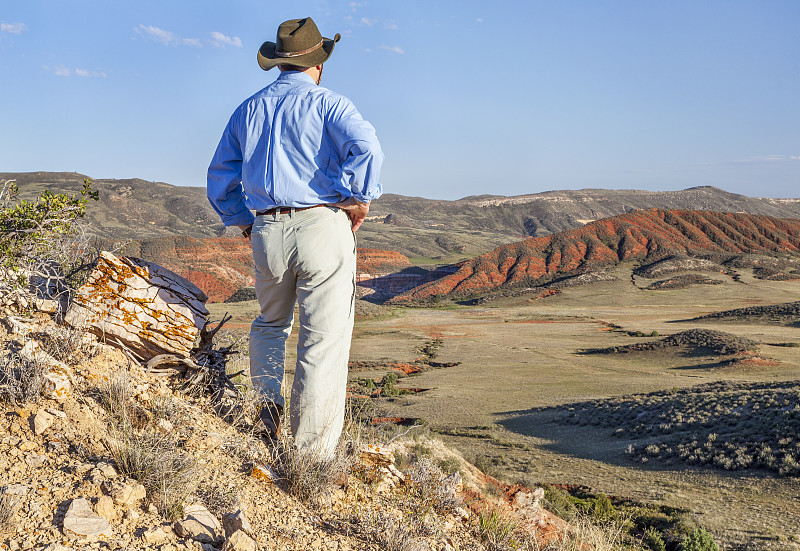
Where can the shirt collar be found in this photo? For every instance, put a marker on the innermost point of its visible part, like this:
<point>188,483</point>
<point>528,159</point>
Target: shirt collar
<point>295,76</point>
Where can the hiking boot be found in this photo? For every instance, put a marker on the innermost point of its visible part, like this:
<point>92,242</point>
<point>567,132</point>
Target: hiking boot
<point>270,416</point>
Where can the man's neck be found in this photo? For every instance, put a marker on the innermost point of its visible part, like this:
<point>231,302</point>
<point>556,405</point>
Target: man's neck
<point>314,72</point>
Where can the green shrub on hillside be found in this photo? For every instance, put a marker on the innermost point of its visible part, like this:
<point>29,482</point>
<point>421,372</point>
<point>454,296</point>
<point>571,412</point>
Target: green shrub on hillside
<point>699,540</point>
<point>38,242</point>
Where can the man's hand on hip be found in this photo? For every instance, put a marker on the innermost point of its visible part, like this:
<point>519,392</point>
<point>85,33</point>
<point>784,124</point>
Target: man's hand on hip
<point>355,210</point>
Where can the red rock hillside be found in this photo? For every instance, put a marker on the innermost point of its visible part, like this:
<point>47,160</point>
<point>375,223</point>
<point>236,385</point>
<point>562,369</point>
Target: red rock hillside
<point>221,266</point>
<point>378,262</point>
<point>637,235</point>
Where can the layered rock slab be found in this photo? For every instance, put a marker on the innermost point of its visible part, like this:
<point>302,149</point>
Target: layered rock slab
<point>140,305</point>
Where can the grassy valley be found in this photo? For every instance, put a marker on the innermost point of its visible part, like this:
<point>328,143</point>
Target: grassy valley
<point>516,391</point>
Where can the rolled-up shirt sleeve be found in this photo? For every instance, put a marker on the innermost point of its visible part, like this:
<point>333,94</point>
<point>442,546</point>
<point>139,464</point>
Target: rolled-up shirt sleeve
<point>224,181</point>
<point>358,148</point>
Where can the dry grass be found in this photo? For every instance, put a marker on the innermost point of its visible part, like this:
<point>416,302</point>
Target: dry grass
<point>389,531</point>
<point>8,507</point>
<point>306,473</point>
<point>499,533</point>
<point>589,534</point>
<point>146,455</point>
<point>218,495</point>
<point>21,379</point>
<point>65,344</point>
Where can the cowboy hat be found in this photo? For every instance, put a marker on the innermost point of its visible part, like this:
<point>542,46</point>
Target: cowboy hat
<point>300,43</point>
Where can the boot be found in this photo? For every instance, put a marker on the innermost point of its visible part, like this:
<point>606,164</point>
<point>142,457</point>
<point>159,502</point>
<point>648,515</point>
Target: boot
<point>271,415</point>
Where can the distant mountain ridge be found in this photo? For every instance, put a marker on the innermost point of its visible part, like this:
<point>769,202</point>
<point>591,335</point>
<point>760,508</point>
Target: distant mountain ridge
<point>413,226</point>
<point>644,235</point>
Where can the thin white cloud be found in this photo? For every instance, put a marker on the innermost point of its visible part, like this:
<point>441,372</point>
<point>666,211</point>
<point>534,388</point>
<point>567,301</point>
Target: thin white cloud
<point>220,40</point>
<point>754,160</point>
<point>368,22</point>
<point>479,20</point>
<point>12,28</point>
<point>395,49</point>
<point>89,74</point>
<point>391,24</point>
<point>157,34</point>
<point>355,5</point>
<point>64,71</point>
<point>61,71</point>
<point>169,38</point>
<point>763,159</point>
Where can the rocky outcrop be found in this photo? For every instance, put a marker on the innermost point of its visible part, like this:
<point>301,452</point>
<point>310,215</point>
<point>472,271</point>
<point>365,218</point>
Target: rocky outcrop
<point>80,521</point>
<point>140,305</point>
<point>640,235</point>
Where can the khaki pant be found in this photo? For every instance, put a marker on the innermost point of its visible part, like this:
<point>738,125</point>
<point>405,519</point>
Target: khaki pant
<point>309,258</point>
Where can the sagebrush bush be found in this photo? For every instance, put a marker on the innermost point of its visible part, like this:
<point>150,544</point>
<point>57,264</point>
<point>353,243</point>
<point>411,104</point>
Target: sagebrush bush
<point>653,540</point>
<point>430,488</point>
<point>390,532</point>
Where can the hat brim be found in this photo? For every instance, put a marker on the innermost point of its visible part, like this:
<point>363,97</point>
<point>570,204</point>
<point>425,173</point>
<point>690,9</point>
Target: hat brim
<point>267,58</point>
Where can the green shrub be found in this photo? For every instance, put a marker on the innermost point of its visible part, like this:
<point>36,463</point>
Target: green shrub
<point>602,509</point>
<point>653,540</point>
<point>699,540</point>
<point>558,502</point>
<point>38,240</point>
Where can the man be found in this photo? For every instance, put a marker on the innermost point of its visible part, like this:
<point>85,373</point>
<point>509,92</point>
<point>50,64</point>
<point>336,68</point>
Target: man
<point>305,160</point>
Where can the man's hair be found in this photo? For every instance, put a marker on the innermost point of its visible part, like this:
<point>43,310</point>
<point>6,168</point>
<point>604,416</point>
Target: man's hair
<point>283,67</point>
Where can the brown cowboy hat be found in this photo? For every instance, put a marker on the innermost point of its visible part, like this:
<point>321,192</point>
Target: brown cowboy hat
<point>299,43</point>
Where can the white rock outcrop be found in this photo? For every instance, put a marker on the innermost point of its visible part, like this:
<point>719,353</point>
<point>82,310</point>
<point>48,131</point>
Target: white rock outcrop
<point>199,525</point>
<point>141,305</point>
<point>80,521</point>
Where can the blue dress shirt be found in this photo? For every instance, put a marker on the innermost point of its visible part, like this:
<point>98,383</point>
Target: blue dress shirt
<point>293,144</point>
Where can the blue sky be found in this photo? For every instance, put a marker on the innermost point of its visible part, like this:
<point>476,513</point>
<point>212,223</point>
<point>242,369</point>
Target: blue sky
<point>468,98</point>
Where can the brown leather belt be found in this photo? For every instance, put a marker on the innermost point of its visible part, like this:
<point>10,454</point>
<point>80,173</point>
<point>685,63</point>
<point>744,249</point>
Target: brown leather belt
<point>284,210</point>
